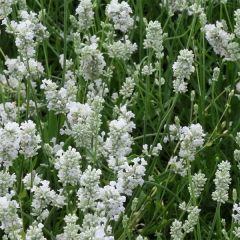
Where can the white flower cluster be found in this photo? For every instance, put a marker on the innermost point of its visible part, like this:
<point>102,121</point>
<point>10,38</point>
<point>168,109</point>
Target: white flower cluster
<point>215,76</point>
<point>190,139</point>
<point>7,181</point>
<point>118,143</point>
<point>71,230</point>
<point>182,69</point>
<point>8,113</point>
<point>127,88</point>
<point>236,152</point>
<point>68,166</point>
<point>120,14</point>
<point>9,219</point>
<point>176,5</point>
<point>43,197</point>
<point>15,73</point>
<point>97,90</point>
<point>236,219</point>
<point>122,49</point>
<point>18,70</point>
<point>85,14</point>
<point>10,144</point>
<point>35,231</point>
<point>237,23</point>
<point>222,42</point>
<point>111,201</point>
<point>88,192</point>
<point>30,140</point>
<point>31,179</point>
<point>148,70</point>
<point>222,181</point>
<point>6,7</point>
<point>95,227</point>
<point>83,122</point>
<point>23,138</point>
<point>92,62</point>
<point>152,150</point>
<point>198,182</point>
<point>179,229</point>
<point>131,175</point>
<point>154,38</point>
<point>28,32</point>
<point>58,98</point>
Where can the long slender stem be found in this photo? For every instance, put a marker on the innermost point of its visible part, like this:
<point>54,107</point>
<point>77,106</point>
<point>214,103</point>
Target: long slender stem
<point>65,38</point>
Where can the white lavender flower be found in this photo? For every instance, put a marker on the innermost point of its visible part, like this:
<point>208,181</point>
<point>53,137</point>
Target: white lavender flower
<point>222,41</point>
<point>236,155</point>
<point>178,5</point>
<point>190,139</point>
<point>71,230</point>
<point>88,193</point>
<point>92,62</point>
<point>182,69</point>
<point>10,144</point>
<point>131,176</point>
<point>222,181</point>
<point>31,179</point>
<point>85,14</point>
<point>35,232</point>
<point>122,49</point>
<point>198,182</point>
<point>43,197</point>
<point>28,33</point>
<point>97,89</point>
<point>215,76</point>
<point>236,232</point>
<point>195,9</point>
<point>6,7</point>
<point>154,38</point>
<point>16,71</point>
<point>237,23</point>
<point>95,227</point>
<point>127,88</point>
<point>155,150</point>
<point>120,14</point>
<point>111,202</point>
<point>11,224</point>
<point>84,121</point>
<point>68,166</point>
<point>192,219</point>
<point>30,140</point>
<point>148,70</point>
<point>57,99</point>
<point>8,113</point>
<point>177,165</point>
<point>176,230</point>
<point>236,213</point>
<point>7,181</point>
<point>238,139</point>
<point>119,141</point>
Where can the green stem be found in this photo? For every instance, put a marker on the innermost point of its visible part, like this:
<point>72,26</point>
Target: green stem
<point>214,221</point>
<point>65,38</point>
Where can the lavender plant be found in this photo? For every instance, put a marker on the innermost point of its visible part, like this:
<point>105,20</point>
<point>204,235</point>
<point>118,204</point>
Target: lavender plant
<point>116,117</point>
